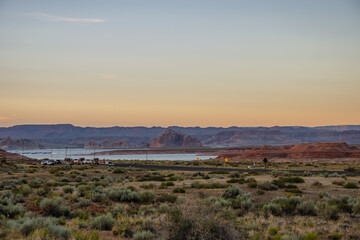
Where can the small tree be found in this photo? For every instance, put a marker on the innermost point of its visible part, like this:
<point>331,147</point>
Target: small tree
<point>265,162</point>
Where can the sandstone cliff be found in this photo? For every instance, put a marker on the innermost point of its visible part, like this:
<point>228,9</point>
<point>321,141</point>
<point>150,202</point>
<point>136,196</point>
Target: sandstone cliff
<point>171,138</point>
<point>303,150</point>
<point>12,144</point>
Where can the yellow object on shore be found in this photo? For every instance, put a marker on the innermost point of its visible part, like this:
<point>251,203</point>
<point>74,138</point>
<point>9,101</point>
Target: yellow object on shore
<point>226,160</point>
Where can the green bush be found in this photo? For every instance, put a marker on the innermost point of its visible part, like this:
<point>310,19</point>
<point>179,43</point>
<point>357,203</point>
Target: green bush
<point>351,185</point>
<point>103,222</point>
<point>307,208</point>
<point>11,210</point>
<point>54,207</point>
<point>179,190</point>
<point>25,190</point>
<point>28,225</point>
<point>164,185</point>
<point>267,186</point>
<point>147,196</point>
<point>143,235</point>
<point>123,195</point>
<point>335,236</point>
<point>166,198</point>
<point>83,202</point>
<point>294,179</point>
<point>311,236</point>
<point>68,189</point>
<point>86,236</point>
<point>232,192</point>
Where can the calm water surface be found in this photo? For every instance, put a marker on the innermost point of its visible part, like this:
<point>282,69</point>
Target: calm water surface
<point>80,152</point>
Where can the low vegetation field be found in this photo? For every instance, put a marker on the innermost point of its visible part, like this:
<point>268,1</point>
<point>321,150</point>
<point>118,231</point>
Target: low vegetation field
<point>101,202</point>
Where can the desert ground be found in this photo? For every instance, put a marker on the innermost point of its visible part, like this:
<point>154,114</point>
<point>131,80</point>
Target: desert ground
<point>102,202</point>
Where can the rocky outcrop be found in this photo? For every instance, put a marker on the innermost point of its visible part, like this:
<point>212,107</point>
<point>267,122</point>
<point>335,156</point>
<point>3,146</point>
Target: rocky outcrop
<point>303,150</point>
<point>13,144</point>
<point>107,144</point>
<point>171,138</point>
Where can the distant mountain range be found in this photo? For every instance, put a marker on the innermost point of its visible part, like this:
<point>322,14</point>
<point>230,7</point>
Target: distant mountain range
<point>67,135</point>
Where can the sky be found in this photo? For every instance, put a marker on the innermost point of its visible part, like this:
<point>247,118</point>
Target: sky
<point>186,63</point>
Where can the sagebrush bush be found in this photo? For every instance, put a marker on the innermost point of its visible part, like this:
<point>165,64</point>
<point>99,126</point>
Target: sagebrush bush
<point>103,222</point>
<point>351,185</point>
<point>147,196</point>
<point>28,225</point>
<point>179,190</point>
<point>307,208</point>
<point>143,235</point>
<point>83,202</point>
<point>123,195</point>
<point>197,220</point>
<point>267,186</point>
<point>68,189</point>
<point>54,207</point>
<point>232,192</point>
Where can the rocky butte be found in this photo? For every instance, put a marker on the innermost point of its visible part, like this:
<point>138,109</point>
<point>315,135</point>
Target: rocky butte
<point>171,138</point>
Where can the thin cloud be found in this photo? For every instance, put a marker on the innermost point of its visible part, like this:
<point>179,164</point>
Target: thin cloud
<point>47,17</point>
<point>3,118</point>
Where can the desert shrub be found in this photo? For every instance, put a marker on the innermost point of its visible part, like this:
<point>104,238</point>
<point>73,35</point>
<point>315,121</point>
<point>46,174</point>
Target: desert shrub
<point>36,182</point>
<point>179,190</point>
<point>122,227</point>
<point>351,185</point>
<point>147,196</point>
<point>119,171</point>
<point>164,185</point>
<point>86,236</point>
<point>236,180</point>
<point>149,186</point>
<point>64,180</point>
<point>294,179</point>
<point>152,178</point>
<point>54,207</point>
<point>331,212</point>
<point>143,235</point>
<point>123,195</point>
<point>25,190</point>
<point>243,202</point>
<point>166,198</point>
<point>272,231</point>
<point>311,236</point>
<point>232,192</point>
<point>29,224</point>
<point>200,185</point>
<point>267,186</point>
<point>324,195</point>
<point>98,196</point>
<point>317,184</point>
<point>356,206</point>
<point>338,182</point>
<point>83,202</point>
<point>280,206</point>
<point>196,220</point>
<point>252,184</point>
<point>117,210</point>
<point>11,210</point>
<point>103,222</point>
<point>221,202</point>
<point>335,236</point>
<point>307,208</point>
<point>164,208</point>
<point>145,210</point>
<point>83,190</point>
<point>68,189</point>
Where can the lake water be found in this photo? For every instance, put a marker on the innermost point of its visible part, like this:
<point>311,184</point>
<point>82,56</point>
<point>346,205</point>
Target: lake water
<point>80,152</point>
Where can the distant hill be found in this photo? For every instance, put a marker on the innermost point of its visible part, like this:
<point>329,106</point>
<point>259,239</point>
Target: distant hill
<point>67,135</point>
